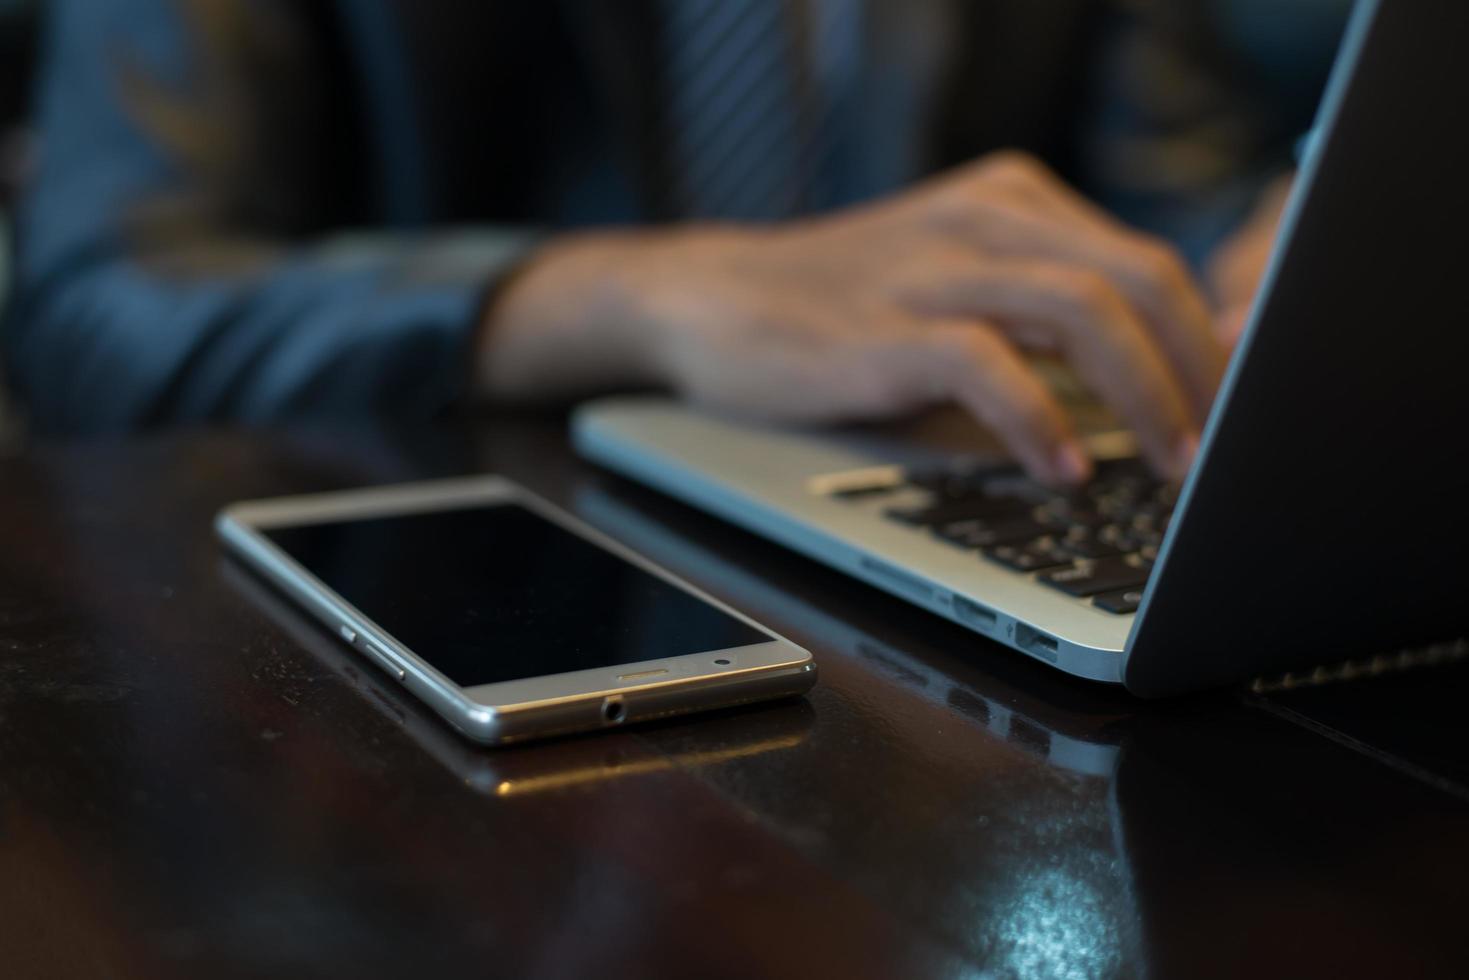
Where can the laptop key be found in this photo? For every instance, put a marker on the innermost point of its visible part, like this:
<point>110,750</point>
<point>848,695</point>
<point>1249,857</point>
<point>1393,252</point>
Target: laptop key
<point>1128,469</point>
<point>1121,601</point>
<point>955,483</point>
<point>988,534</point>
<point>1090,578</point>
<point>1032,556</point>
<point>1065,514</point>
<point>952,511</point>
<point>1122,539</point>
<point>1088,547</point>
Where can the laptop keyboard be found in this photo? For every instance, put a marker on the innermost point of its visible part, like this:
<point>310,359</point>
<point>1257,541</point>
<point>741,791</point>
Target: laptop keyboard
<point>1097,543</point>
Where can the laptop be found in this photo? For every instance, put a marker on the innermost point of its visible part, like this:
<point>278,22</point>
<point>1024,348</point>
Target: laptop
<point>1326,517</point>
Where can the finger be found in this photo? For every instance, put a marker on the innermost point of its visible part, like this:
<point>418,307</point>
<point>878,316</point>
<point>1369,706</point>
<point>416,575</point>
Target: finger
<point>1238,264</point>
<point>972,364</point>
<point>1094,327</point>
<point>1149,273</point>
<point>1231,324</point>
<point>1237,268</point>
<point>1158,284</point>
<point>1041,187</point>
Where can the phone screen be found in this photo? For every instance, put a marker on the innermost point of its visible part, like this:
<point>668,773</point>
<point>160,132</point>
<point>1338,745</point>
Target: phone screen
<point>498,593</point>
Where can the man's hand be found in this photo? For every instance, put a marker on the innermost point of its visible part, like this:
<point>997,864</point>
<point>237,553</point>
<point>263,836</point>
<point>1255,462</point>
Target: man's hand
<point>928,296</point>
<point>1238,264</point>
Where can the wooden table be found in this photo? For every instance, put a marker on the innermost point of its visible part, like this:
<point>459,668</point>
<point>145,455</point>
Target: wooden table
<point>195,782</point>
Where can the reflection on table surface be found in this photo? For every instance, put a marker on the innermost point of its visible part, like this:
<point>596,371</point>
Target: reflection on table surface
<point>1093,862</point>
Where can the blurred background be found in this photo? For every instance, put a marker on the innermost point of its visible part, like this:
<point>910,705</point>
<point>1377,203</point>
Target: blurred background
<point>19,37</point>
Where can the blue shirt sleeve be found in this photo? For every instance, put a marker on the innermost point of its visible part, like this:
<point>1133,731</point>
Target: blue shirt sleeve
<point>155,281</point>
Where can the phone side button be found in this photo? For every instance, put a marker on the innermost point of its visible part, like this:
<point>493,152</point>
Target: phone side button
<point>381,656</point>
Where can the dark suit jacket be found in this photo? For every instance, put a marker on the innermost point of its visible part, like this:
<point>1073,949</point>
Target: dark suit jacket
<point>187,251</point>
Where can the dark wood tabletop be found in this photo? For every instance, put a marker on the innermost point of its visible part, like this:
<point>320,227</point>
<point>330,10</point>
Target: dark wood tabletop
<point>196,782</point>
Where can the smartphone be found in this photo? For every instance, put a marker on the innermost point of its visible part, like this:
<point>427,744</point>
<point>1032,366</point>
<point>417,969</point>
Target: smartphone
<point>505,615</point>
<point>552,767</point>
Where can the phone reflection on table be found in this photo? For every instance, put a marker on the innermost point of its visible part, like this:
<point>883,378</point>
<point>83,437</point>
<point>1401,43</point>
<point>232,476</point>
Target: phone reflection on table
<point>714,737</point>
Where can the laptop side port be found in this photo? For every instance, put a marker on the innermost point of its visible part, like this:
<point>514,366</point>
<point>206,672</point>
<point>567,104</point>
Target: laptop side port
<point>1033,641</point>
<point>974,615</point>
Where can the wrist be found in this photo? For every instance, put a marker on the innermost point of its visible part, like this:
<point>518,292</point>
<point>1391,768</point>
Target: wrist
<point>566,322</point>
<point>599,310</point>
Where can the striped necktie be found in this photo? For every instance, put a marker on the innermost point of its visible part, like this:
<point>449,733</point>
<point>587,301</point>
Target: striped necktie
<point>739,97</point>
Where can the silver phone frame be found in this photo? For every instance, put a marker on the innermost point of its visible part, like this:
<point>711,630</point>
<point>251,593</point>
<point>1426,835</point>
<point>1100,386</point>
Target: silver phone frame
<point>533,707</point>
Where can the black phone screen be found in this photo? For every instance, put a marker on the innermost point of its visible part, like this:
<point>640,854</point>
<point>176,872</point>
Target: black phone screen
<point>499,593</point>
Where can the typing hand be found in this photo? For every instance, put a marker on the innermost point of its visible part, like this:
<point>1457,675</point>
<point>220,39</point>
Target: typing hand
<point>927,296</point>
<point>1238,264</point>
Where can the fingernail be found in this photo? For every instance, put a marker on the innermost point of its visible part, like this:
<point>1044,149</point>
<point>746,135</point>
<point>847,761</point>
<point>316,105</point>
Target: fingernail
<point>1072,463</point>
<point>1188,448</point>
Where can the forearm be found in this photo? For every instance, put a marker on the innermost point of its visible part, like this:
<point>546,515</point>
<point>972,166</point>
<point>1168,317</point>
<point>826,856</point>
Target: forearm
<point>175,259</point>
<point>120,343</point>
